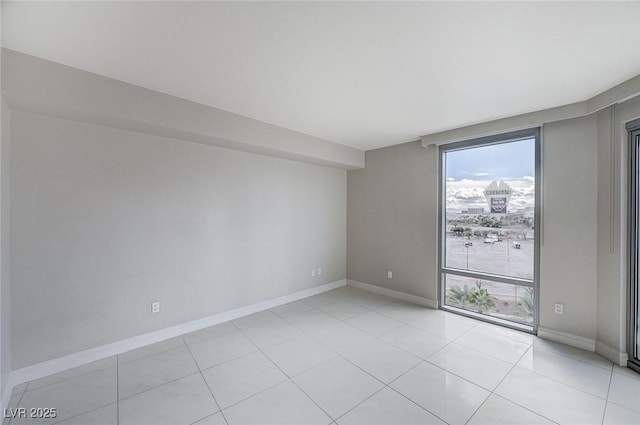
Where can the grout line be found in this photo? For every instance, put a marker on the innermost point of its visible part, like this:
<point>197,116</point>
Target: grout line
<point>252,395</point>
<point>367,372</point>
<point>512,368</point>
<point>205,381</point>
<point>19,401</point>
<point>424,330</point>
<point>150,354</point>
<point>481,404</point>
<point>27,388</point>
<point>208,416</point>
<point>284,373</point>
<point>405,372</point>
<point>559,353</point>
<point>456,375</point>
<point>448,342</point>
<point>24,392</point>
<point>70,379</point>
<point>82,413</point>
<point>492,392</point>
<point>358,404</point>
<point>417,404</point>
<point>312,400</point>
<point>200,371</point>
<point>631,409</point>
<point>524,407</point>
<point>158,386</point>
<point>118,363</point>
<point>606,404</point>
<point>242,356</point>
<point>446,371</point>
<point>339,354</point>
<point>208,337</point>
<point>562,383</point>
<point>422,360</point>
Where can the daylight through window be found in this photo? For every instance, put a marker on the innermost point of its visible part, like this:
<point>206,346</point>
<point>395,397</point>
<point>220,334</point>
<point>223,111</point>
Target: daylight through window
<point>489,238</point>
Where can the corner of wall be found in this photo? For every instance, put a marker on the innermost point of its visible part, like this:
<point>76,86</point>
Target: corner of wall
<point>618,357</point>
<point>611,340</point>
<point>391,220</point>
<point>5,317</point>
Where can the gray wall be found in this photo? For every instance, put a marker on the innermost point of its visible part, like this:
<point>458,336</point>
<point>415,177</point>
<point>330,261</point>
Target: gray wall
<point>392,223</point>
<point>612,215</point>
<point>609,291</point>
<point>5,306</point>
<point>5,317</point>
<point>568,255</point>
<point>105,221</point>
<point>36,85</point>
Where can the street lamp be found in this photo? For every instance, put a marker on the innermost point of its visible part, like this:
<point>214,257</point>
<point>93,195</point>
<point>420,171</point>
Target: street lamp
<point>467,248</point>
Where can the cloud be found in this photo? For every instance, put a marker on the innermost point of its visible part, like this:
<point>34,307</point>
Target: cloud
<point>480,174</point>
<point>529,179</point>
<point>466,193</point>
<point>450,179</point>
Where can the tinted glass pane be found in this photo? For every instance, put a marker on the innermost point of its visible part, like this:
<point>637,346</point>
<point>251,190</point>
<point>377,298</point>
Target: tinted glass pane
<point>489,209</point>
<point>509,302</point>
<point>636,290</point>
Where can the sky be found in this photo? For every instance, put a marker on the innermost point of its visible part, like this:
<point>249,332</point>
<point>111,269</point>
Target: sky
<point>470,171</point>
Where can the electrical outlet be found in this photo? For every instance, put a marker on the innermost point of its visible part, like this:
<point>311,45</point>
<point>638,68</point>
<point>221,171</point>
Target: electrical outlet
<point>389,274</point>
<point>559,308</point>
<point>319,272</point>
<point>155,307</point>
<point>313,272</point>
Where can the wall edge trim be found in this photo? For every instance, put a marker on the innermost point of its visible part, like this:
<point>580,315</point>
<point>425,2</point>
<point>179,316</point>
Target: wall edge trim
<point>618,357</point>
<point>566,338</point>
<point>69,361</point>
<point>403,296</point>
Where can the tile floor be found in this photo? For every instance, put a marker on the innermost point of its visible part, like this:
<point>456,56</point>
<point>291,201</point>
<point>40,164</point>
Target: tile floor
<point>343,357</point>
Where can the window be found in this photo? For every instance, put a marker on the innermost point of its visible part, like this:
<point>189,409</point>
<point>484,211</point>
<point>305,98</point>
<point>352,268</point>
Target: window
<point>634,246</point>
<point>489,244</point>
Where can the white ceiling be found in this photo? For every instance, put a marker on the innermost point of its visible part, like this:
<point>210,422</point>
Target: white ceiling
<point>365,75</point>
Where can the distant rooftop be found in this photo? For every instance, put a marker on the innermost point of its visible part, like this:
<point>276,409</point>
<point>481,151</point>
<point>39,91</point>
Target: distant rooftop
<point>498,188</point>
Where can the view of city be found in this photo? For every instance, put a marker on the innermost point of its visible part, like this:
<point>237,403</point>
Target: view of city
<point>489,228</point>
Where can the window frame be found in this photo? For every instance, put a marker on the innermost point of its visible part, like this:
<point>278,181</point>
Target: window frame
<point>633,269</point>
<point>512,136</point>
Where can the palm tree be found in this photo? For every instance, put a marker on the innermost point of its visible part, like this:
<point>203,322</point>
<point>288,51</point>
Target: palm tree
<point>481,300</point>
<point>458,297</point>
<point>526,305</point>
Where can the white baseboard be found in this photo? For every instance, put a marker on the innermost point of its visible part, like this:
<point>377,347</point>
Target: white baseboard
<point>567,338</point>
<point>610,353</point>
<point>393,294</point>
<point>80,358</point>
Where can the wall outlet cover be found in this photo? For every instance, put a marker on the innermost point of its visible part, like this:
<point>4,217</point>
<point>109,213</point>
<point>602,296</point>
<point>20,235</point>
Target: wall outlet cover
<point>559,308</point>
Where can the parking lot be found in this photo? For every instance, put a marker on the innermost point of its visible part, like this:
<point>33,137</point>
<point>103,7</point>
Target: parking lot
<point>500,257</point>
